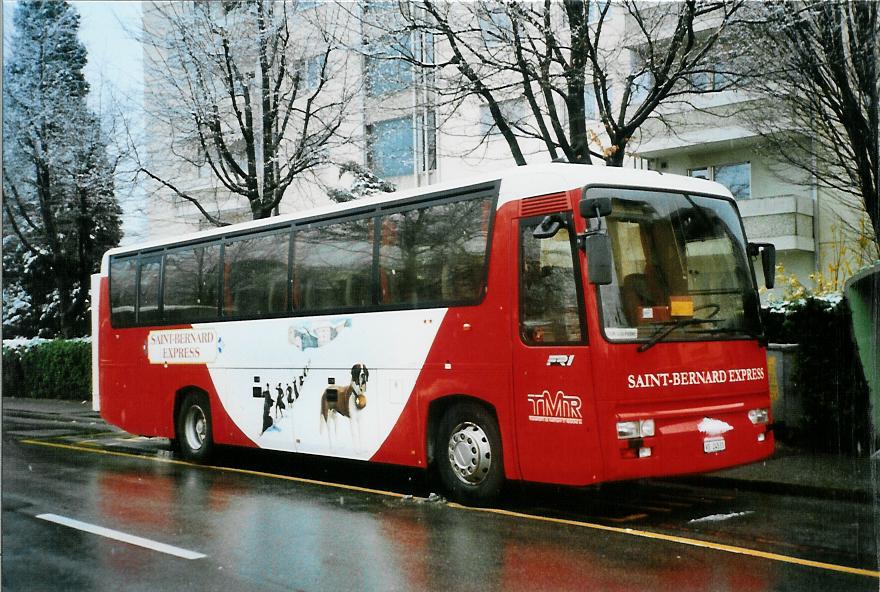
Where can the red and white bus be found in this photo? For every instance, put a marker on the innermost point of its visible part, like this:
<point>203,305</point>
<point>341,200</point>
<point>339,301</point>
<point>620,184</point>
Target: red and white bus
<point>560,323</point>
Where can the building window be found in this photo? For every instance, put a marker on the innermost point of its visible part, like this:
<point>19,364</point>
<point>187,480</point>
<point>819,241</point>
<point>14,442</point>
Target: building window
<point>404,146</point>
<point>641,86</point>
<point>737,177</point>
<point>384,70</point>
<point>310,72</point>
<point>390,150</point>
<point>716,78</point>
<point>702,173</point>
<point>495,26</point>
<point>426,127</point>
<point>591,107</point>
<point>595,8</point>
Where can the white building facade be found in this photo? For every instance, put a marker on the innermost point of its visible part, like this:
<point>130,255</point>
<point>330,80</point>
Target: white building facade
<point>398,128</point>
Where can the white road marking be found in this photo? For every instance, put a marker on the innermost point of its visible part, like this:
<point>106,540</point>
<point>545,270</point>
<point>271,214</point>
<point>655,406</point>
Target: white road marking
<point>121,536</point>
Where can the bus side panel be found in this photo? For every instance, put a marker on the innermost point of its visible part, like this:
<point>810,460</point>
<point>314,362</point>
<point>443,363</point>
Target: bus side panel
<point>470,357</point>
<point>132,393</point>
<point>138,396</point>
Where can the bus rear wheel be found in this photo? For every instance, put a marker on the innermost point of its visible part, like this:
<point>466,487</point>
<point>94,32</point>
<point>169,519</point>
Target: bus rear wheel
<point>193,430</point>
<point>468,454</point>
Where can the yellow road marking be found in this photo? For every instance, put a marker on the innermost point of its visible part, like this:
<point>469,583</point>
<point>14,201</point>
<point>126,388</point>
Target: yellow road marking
<point>680,540</point>
<point>173,461</point>
<point>508,513</point>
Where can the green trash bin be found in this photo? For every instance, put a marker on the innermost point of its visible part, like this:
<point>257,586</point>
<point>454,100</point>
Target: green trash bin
<point>863,294</point>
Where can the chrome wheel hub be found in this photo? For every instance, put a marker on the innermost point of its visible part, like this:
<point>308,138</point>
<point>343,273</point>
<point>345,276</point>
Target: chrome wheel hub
<point>469,452</point>
<point>196,427</point>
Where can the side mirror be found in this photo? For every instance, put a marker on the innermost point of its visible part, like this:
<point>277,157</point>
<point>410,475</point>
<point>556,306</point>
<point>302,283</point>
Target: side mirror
<point>598,249</point>
<point>548,227</point>
<point>768,261</point>
<point>595,207</point>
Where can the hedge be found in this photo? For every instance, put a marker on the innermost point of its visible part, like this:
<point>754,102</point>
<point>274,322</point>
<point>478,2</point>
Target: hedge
<point>827,374</point>
<point>59,369</point>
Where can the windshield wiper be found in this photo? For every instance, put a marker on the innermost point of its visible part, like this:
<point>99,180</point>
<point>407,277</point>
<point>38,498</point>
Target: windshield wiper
<point>664,331</point>
<point>729,330</point>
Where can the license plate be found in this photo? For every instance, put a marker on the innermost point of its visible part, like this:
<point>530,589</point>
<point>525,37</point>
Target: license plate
<point>713,445</point>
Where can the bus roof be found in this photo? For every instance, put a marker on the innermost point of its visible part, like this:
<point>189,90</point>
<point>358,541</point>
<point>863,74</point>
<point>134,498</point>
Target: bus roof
<point>515,183</point>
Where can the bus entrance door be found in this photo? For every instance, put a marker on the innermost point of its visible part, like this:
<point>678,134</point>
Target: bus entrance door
<point>551,360</point>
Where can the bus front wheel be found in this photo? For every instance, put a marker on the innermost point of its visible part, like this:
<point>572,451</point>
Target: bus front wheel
<point>194,438</point>
<point>468,454</point>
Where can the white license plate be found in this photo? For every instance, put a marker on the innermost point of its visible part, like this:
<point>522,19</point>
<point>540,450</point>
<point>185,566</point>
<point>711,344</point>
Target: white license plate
<point>713,445</point>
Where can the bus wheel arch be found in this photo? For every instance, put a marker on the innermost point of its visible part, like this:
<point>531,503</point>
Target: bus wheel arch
<point>465,448</point>
<point>193,428</point>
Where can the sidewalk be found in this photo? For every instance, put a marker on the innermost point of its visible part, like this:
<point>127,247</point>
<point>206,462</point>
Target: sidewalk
<point>795,472</point>
<point>789,471</point>
<point>48,408</point>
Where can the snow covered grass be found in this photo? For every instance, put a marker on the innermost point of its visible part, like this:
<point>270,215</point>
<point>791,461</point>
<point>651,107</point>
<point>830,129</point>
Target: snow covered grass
<point>28,342</point>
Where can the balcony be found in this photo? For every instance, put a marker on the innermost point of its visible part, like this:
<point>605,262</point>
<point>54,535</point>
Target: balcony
<point>784,220</point>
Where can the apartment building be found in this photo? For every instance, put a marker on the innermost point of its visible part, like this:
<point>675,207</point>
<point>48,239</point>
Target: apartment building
<point>405,132</point>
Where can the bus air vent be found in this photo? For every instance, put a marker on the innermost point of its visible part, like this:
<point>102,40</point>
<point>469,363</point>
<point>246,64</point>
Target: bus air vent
<point>541,205</point>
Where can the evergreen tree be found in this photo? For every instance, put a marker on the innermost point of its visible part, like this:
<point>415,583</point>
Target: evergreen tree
<point>364,182</point>
<point>60,209</point>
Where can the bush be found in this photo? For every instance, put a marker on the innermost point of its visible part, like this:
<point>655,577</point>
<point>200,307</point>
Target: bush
<point>58,369</point>
<point>827,373</point>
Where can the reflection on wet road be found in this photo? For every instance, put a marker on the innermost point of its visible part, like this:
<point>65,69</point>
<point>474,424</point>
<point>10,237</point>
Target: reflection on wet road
<point>272,521</point>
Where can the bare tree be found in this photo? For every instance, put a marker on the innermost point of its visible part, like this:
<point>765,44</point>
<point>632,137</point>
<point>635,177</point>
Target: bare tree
<point>543,70</point>
<point>254,92</point>
<point>823,111</point>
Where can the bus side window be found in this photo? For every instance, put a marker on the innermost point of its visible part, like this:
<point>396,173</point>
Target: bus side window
<point>191,276</point>
<point>550,308</point>
<point>434,255</point>
<point>333,266</point>
<point>255,275</point>
<point>148,289</point>
<point>123,290</point>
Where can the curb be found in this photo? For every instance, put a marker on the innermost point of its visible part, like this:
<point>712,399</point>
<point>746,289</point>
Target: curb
<point>31,414</point>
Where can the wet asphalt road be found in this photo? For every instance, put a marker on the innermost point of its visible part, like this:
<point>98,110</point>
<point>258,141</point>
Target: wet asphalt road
<point>267,521</point>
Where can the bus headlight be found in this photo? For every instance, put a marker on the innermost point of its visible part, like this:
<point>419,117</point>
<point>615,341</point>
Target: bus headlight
<point>757,416</point>
<point>643,428</point>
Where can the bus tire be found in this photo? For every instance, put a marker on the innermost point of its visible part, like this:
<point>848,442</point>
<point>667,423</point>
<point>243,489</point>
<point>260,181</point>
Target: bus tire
<point>193,427</point>
<point>468,454</point>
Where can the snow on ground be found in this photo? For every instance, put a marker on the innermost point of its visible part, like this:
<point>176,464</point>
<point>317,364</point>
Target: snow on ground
<point>720,517</point>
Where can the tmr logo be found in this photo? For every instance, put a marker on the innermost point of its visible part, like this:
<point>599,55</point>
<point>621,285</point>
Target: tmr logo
<point>560,360</point>
<point>558,408</point>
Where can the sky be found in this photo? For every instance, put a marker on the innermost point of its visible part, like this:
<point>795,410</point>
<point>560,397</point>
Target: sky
<point>107,29</point>
<point>114,68</point>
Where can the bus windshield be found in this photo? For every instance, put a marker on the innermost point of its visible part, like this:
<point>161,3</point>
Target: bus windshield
<point>680,269</point>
